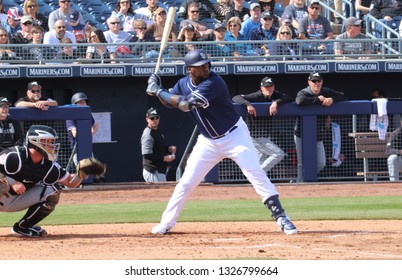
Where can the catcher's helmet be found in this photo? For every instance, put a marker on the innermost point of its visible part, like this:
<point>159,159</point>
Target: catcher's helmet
<point>196,58</point>
<point>43,139</point>
<point>77,97</point>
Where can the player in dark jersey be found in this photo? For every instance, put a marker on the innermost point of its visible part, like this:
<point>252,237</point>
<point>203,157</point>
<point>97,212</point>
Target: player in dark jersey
<point>31,179</point>
<point>224,134</point>
<point>10,129</point>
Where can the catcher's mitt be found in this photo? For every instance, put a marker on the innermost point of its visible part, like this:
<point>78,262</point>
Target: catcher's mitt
<point>90,166</point>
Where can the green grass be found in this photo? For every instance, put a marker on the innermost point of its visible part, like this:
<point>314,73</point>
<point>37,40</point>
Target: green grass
<point>328,208</point>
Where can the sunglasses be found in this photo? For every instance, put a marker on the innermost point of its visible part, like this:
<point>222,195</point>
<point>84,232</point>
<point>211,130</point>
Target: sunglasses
<point>232,25</point>
<point>142,28</point>
<point>114,23</point>
<point>4,106</point>
<point>31,6</point>
<point>36,91</point>
<point>285,33</point>
<point>153,118</point>
<point>27,23</point>
<point>315,8</point>
<point>315,81</point>
<point>194,12</point>
<point>3,35</point>
<point>221,30</point>
<point>61,27</point>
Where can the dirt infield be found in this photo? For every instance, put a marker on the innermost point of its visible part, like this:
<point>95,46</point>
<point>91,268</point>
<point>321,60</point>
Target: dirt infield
<point>317,240</point>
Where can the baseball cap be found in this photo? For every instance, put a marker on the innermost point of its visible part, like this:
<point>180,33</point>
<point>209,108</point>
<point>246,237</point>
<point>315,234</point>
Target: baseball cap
<point>4,100</point>
<point>74,15</point>
<point>315,76</point>
<point>188,26</point>
<point>25,19</point>
<point>267,81</point>
<point>160,10</point>
<point>287,18</point>
<point>266,15</point>
<point>14,13</point>
<point>34,84</point>
<point>152,112</point>
<point>219,26</point>
<point>253,5</point>
<point>314,2</point>
<point>350,21</point>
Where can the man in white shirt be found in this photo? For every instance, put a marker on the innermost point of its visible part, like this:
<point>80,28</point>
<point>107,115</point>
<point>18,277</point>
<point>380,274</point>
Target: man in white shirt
<point>147,13</point>
<point>66,14</point>
<point>115,35</point>
<point>58,32</point>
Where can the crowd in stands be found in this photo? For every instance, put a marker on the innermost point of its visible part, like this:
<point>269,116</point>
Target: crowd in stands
<point>127,25</point>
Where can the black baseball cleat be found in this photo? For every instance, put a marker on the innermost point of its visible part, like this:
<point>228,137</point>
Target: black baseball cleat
<point>35,231</point>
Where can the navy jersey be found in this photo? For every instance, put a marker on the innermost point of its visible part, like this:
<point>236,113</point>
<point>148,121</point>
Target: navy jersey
<point>70,124</point>
<point>16,163</point>
<point>217,115</point>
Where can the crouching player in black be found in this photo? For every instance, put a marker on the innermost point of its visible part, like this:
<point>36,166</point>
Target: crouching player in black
<point>31,178</point>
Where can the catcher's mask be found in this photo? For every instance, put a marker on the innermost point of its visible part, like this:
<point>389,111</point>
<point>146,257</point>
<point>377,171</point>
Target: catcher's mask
<point>43,139</point>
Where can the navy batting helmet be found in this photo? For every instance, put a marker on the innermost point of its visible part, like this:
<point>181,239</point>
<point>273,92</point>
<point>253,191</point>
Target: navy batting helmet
<point>196,58</point>
<point>78,97</point>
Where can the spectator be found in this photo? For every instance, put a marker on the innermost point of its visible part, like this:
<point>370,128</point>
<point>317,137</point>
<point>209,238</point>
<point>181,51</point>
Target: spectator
<point>98,52</point>
<point>264,33</point>
<point>221,9</point>
<point>67,54</point>
<point>287,21</point>
<point>125,13</point>
<point>156,155</point>
<point>202,32</point>
<point>394,153</point>
<point>54,36</point>
<point>269,6</point>
<point>6,53</point>
<point>156,28</point>
<point>11,132</point>
<point>238,10</point>
<point>388,12</point>
<point>24,36</point>
<point>148,13</point>
<point>117,36</point>
<point>284,50</point>
<point>219,49</point>
<point>377,93</point>
<point>187,34</point>
<point>35,52</point>
<point>205,9</point>
<point>33,98</point>
<point>3,14</point>
<point>350,47</point>
<point>297,11</point>
<point>78,99</point>
<point>12,24</point>
<point>362,7</point>
<point>268,152</point>
<point>254,21</point>
<point>315,93</point>
<point>67,15</point>
<point>233,26</point>
<point>315,27</point>
<point>31,9</point>
<point>140,50</point>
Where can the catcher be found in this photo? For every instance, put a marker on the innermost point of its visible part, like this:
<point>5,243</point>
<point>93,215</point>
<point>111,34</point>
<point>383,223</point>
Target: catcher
<point>31,179</point>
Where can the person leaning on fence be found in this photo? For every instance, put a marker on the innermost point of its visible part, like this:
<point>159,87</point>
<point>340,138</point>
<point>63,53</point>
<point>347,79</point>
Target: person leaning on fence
<point>78,99</point>
<point>350,47</point>
<point>268,152</point>
<point>156,155</point>
<point>31,8</point>
<point>6,53</point>
<point>315,27</point>
<point>394,153</point>
<point>314,94</point>
<point>10,130</point>
<point>33,98</point>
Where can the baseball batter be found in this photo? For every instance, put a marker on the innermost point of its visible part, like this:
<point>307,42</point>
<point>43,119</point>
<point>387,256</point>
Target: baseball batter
<point>223,134</point>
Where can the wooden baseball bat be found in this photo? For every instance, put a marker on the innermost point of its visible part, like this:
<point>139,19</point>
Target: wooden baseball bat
<point>165,36</point>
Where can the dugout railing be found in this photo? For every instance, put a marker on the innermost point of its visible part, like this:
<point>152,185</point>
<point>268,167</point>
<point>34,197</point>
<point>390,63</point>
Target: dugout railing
<point>350,116</point>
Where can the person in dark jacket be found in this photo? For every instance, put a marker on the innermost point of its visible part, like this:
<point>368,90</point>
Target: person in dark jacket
<point>315,93</point>
<point>155,153</point>
<point>269,153</point>
<point>10,129</point>
<point>394,153</point>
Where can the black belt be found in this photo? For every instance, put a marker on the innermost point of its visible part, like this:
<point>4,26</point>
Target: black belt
<point>226,133</point>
